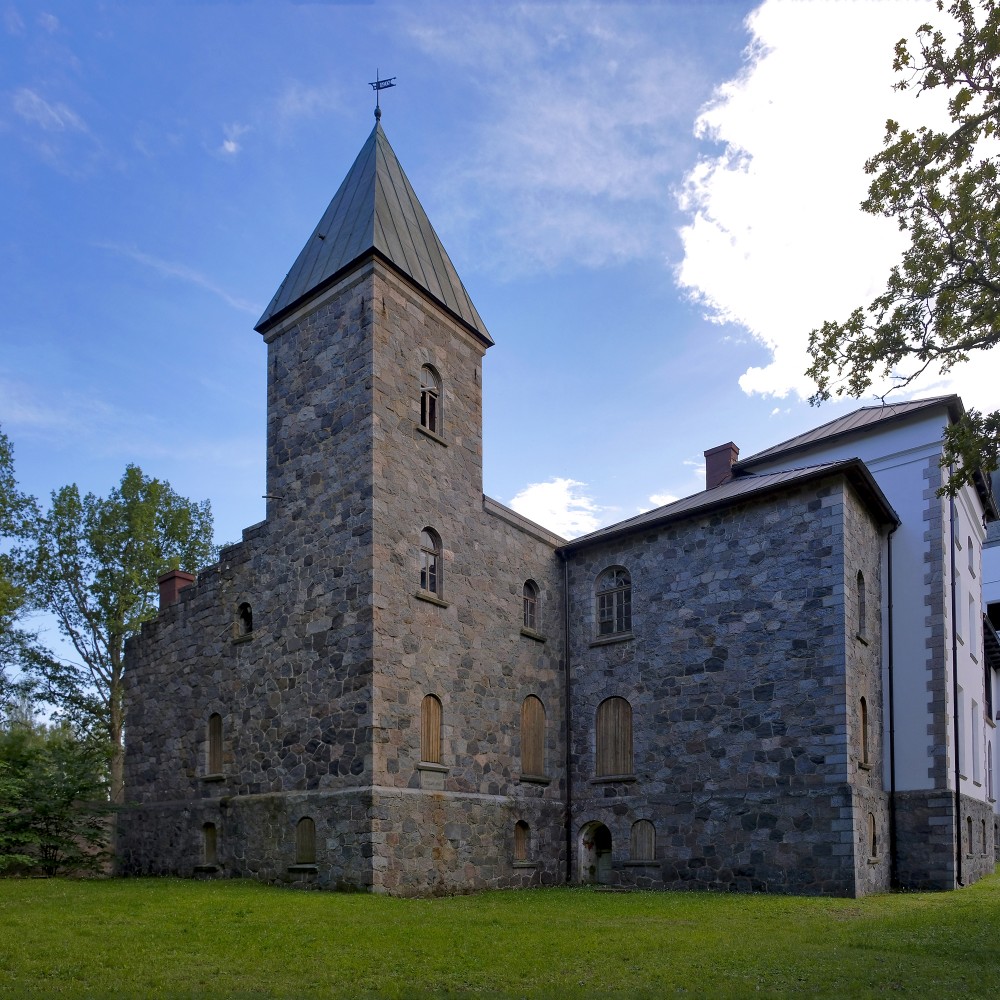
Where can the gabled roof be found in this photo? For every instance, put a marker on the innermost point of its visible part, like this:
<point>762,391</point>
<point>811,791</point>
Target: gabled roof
<point>868,418</point>
<point>375,210</point>
<point>743,488</point>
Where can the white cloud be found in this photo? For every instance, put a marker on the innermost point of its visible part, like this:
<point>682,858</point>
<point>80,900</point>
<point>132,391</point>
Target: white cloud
<point>776,241</point>
<point>559,505</point>
<point>662,499</point>
<point>12,21</point>
<point>52,117</point>
<point>48,22</point>
<point>585,129</point>
<point>231,138</point>
<point>183,272</point>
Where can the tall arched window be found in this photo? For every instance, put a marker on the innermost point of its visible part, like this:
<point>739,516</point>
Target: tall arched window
<point>244,619</point>
<point>862,606</point>
<point>209,844</point>
<point>532,736</point>
<point>531,605</point>
<point>430,562</point>
<point>305,841</point>
<point>213,764</point>
<point>522,838</point>
<point>865,733</point>
<point>614,602</point>
<point>430,730</point>
<point>430,399</point>
<point>642,843</point>
<point>614,737</point>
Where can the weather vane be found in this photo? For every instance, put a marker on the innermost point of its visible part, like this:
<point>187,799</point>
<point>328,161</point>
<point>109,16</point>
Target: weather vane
<point>380,85</point>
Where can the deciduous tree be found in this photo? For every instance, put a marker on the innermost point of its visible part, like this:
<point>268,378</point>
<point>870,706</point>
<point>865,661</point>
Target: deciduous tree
<point>95,567</point>
<point>941,305</point>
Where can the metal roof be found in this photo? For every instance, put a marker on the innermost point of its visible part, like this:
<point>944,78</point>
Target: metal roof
<point>747,487</point>
<point>375,210</point>
<point>862,420</point>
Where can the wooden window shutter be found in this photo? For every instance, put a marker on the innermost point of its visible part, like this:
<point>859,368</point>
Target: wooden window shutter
<point>643,841</point>
<point>532,736</point>
<point>305,841</point>
<point>522,834</point>
<point>430,730</point>
<point>614,737</point>
<point>214,762</point>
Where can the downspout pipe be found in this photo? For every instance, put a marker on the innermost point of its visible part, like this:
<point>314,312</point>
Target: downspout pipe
<point>954,687</point>
<point>890,672</point>
<point>567,715</point>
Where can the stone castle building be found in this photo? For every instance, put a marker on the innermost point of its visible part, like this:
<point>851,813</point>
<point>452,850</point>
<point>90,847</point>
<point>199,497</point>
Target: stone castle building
<point>396,684</point>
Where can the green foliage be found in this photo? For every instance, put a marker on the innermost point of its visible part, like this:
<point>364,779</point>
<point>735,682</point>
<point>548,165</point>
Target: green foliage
<point>95,563</point>
<point>942,301</point>
<point>54,809</point>
<point>167,937</point>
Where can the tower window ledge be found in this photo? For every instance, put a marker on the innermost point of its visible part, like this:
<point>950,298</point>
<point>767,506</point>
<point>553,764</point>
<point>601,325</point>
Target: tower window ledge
<point>247,637</point>
<point>535,779</point>
<point>607,640</point>
<point>530,633</point>
<point>430,598</point>
<point>426,765</point>
<point>429,433</point>
<point>304,869</point>
<point>525,864</point>
<point>605,779</point>
<point>213,777</point>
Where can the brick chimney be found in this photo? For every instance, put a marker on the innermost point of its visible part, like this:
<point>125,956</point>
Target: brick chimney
<point>171,585</point>
<point>719,464</point>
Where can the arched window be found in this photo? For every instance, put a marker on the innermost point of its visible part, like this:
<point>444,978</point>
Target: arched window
<point>430,399</point>
<point>244,619</point>
<point>213,764</point>
<point>862,606</point>
<point>522,839</point>
<point>865,733</point>
<point>209,844</point>
<point>614,737</point>
<point>430,730</point>
<point>642,843</point>
<point>430,562</point>
<point>614,602</point>
<point>532,736</point>
<point>531,605</point>
<point>872,837</point>
<point>305,841</point>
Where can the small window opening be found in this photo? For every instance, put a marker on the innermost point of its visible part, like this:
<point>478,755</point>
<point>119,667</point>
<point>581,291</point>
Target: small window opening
<point>872,837</point>
<point>244,619</point>
<point>430,562</point>
<point>209,844</point>
<point>865,758</point>
<point>862,607</point>
<point>968,833</point>
<point>532,736</point>
<point>214,762</point>
<point>642,843</point>
<point>430,399</point>
<point>531,605</point>
<point>614,602</point>
<point>430,729</point>
<point>614,737</point>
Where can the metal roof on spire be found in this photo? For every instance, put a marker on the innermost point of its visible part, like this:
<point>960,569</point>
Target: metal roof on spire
<point>375,210</point>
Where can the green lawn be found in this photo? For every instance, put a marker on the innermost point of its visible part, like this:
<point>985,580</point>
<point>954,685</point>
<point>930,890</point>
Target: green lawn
<point>166,937</point>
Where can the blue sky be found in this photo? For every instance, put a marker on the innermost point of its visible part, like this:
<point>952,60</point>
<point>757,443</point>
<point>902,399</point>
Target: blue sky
<point>651,205</point>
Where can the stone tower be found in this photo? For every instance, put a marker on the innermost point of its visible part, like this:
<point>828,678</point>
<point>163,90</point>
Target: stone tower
<point>381,691</point>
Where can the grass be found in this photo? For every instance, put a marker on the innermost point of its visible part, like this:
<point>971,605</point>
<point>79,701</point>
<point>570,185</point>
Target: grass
<point>174,938</point>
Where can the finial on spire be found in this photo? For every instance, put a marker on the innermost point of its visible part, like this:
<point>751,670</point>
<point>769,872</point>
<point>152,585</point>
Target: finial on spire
<point>377,86</point>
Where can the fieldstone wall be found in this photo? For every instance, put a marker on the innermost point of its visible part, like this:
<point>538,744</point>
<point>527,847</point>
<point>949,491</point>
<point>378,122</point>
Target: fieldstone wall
<point>736,671</point>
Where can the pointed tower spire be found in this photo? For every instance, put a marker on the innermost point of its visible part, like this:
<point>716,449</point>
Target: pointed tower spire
<point>375,212</point>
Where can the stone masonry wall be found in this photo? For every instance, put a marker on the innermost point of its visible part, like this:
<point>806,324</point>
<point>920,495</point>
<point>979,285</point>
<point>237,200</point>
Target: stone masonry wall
<point>735,670</point>
<point>452,830</point>
<point>294,695</point>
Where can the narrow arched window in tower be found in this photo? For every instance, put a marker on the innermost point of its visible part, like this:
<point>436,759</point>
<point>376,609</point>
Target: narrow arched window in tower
<point>522,839</point>
<point>865,733</point>
<point>244,619</point>
<point>532,736</point>
<point>430,399</point>
<point>305,841</point>
<point>209,844</point>
<point>614,602</point>
<point>430,562</point>
<point>213,764</point>
<point>642,843</point>
<point>872,837</point>
<point>531,605</point>
<point>862,607</point>
<point>614,737</point>
<point>430,730</point>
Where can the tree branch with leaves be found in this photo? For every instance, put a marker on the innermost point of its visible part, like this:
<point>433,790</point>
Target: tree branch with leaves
<point>941,304</point>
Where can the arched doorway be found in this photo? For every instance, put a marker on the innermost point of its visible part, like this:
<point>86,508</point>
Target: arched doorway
<point>594,851</point>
